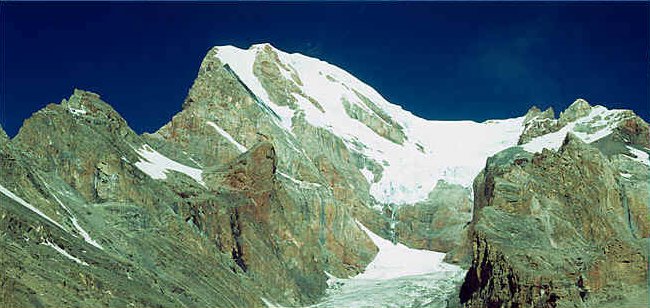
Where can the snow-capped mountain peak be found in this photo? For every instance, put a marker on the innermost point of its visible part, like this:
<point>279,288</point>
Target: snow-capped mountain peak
<point>402,156</point>
<point>412,153</point>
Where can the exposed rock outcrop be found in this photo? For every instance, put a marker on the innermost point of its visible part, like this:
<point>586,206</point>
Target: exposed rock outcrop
<point>285,233</point>
<point>65,245</point>
<point>552,230</point>
<point>252,213</point>
<point>437,224</point>
<point>537,123</point>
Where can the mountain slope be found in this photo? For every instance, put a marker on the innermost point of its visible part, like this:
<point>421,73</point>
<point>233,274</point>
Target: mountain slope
<point>80,224</point>
<point>258,192</point>
<point>390,141</point>
<point>566,225</point>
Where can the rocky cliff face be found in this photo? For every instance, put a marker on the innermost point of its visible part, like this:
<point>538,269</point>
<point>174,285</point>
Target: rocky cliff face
<point>82,224</point>
<point>438,223</point>
<point>562,228</point>
<point>276,232</point>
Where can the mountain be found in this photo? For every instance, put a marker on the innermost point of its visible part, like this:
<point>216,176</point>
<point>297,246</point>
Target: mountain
<point>283,172</point>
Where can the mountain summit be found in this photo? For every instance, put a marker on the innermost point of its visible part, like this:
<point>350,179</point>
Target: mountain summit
<point>283,172</point>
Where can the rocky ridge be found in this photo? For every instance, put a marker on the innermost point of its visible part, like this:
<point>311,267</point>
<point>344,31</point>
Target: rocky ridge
<point>562,228</point>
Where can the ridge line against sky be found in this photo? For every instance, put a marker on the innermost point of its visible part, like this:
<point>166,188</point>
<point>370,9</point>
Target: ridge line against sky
<point>441,61</point>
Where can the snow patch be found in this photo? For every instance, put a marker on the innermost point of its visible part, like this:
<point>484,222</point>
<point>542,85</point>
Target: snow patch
<point>370,177</point>
<point>241,62</point>
<point>63,252</point>
<point>397,277</point>
<point>77,112</point>
<point>270,304</point>
<point>398,260</point>
<point>302,184</point>
<point>639,156</point>
<point>228,137</point>
<point>157,165</point>
<point>77,226</point>
<point>11,195</point>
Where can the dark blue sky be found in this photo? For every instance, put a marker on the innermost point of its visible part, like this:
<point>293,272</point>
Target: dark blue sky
<point>438,60</point>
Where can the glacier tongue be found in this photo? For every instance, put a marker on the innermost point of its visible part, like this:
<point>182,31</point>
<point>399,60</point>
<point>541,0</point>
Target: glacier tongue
<point>390,261</point>
<point>454,151</point>
<point>398,277</point>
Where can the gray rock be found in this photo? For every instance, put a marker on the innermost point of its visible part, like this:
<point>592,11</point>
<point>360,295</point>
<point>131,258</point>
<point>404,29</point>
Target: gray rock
<point>553,230</point>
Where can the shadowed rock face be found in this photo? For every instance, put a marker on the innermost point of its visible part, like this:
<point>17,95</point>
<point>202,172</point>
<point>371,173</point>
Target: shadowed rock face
<point>554,229</point>
<point>282,233</point>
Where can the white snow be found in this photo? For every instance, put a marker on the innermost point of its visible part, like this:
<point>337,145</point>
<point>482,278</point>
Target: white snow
<point>75,111</point>
<point>77,226</point>
<point>596,118</point>
<point>157,165</point>
<point>192,160</point>
<point>270,304</point>
<point>398,277</point>
<point>241,62</point>
<point>228,137</point>
<point>11,195</point>
<point>398,260</point>
<point>454,151</point>
<point>63,252</point>
<point>301,184</point>
<point>639,156</point>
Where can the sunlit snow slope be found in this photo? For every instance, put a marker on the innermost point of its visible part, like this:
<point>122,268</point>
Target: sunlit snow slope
<point>454,151</point>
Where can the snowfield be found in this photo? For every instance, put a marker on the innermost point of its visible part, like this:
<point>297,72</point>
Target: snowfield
<point>454,151</point>
<point>156,165</point>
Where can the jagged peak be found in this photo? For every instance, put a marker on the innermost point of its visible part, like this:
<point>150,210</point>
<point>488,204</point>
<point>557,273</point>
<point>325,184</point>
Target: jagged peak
<point>533,112</point>
<point>266,46</point>
<point>86,108</point>
<point>254,47</point>
<point>579,108</point>
<point>579,103</point>
<point>548,113</point>
<point>82,101</point>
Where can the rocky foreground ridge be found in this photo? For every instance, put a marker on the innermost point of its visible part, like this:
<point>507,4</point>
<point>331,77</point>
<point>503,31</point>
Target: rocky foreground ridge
<point>252,193</point>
